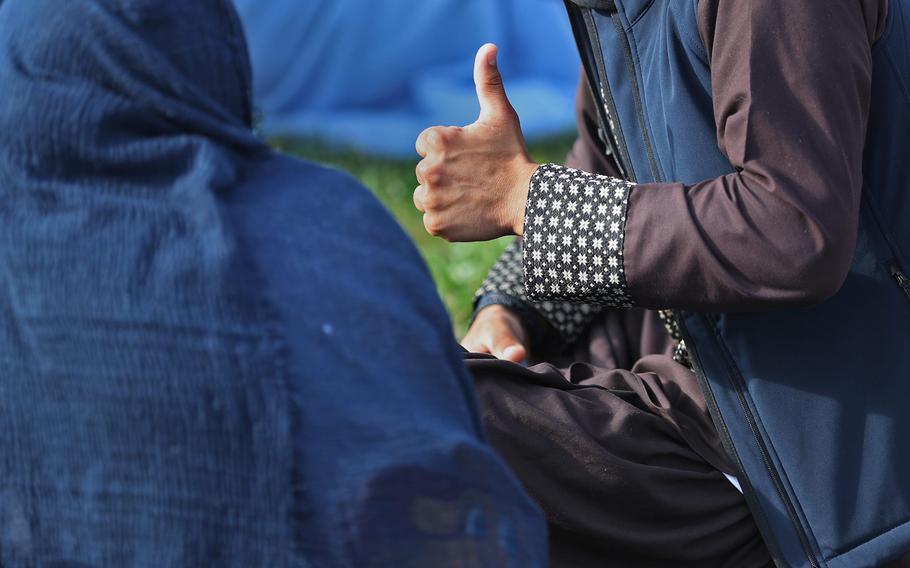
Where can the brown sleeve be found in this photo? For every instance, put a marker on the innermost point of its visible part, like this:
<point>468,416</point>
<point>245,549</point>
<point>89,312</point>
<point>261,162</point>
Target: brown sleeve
<point>791,87</point>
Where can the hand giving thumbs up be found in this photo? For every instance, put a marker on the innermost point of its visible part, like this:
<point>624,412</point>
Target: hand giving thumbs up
<point>474,179</point>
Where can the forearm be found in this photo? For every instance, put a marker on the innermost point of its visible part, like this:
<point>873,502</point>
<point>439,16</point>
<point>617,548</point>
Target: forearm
<point>720,245</point>
<point>790,109</point>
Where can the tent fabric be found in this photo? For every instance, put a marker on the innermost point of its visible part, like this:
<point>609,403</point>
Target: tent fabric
<point>372,75</point>
<point>211,354</point>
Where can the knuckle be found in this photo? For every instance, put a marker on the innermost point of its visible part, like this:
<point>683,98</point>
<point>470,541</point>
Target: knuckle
<point>419,197</point>
<point>425,141</point>
<point>431,201</point>
<point>441,138</point>
<point>434,178</point>
<point>449,134</point>
<point>494,80</point>
<point>434,225</point>
<point>424,136</point>
<point>421,172</point>
<point>431,174</point>
<point>436,139</point>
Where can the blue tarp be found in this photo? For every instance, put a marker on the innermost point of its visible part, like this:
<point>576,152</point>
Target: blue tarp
<point>372,75</point>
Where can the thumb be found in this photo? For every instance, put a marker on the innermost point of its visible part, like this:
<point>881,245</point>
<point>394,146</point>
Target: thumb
<point>508,348</point>
<point>488,80</point>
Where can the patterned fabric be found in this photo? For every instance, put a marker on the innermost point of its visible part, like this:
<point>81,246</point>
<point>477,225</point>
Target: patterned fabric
<point>671,323</point>
<point>505,279</point>
<point>574,232</point>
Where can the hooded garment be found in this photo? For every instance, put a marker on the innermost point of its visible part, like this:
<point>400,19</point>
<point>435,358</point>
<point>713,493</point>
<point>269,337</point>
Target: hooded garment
<point>212,354</point>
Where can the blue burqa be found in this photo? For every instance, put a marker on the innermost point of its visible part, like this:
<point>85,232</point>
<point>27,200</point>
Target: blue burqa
<point>212,354</point>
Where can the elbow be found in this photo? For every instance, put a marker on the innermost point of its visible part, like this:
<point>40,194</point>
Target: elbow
<point>819,287</point>
<point>812,244</point>
<point>809,223</point>
<point>822,272</point>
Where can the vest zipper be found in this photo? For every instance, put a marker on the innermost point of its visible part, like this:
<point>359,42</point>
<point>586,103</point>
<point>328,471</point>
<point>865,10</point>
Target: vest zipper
<point>727,442</point>
<point>738,385</point>
<point>903,282</point>
<point>636,96</point>
<point>739,388</point>
<point>585,32</point>
<point>609,105</point>
<point>893,266</point>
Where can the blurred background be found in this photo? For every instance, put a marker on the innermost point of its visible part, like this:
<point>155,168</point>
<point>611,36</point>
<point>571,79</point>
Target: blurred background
<point>351,83</point>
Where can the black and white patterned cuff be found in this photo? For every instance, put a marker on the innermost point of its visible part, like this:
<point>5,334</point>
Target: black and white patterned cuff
<point>505,276</point>
<point>574,232</point>
<point>505,285</point>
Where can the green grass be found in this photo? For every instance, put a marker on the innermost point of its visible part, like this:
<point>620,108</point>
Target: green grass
<point>458,268</point>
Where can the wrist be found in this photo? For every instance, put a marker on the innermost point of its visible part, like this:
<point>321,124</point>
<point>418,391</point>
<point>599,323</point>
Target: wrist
<point>496,310</point>
<point>522,186</point>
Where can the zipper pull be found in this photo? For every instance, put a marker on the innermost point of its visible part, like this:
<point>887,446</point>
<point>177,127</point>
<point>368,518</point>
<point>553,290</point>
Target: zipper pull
<point>902,281</point>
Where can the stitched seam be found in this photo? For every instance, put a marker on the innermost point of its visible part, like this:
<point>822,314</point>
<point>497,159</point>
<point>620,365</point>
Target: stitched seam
<point>695,41</point>
<point>637,86</point>
<point>870,539</point>
<point>640,15</point>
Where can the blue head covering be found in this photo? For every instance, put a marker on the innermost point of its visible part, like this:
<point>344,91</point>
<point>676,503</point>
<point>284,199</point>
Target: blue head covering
<point>211,354</point>
<point>130,344</point>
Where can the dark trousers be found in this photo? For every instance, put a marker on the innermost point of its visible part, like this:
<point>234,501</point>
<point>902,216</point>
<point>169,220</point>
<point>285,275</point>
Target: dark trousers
<point>614,442</point>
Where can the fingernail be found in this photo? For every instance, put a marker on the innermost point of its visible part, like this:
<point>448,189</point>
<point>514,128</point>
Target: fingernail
<point>491,59</point>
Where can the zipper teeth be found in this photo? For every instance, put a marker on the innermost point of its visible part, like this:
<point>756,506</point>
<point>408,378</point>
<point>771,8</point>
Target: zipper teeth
<point>606,102</point>
<point>738,383</point>
<point>727,442</point>
<point>579,30</point>
<point>769,467</point>
<point>894,266</point>
<point>900,278</point>
<point>601,96</point>
<point>636,97</point>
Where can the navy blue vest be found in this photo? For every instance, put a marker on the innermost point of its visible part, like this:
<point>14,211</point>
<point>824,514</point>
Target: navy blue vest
<point>813,404</point>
